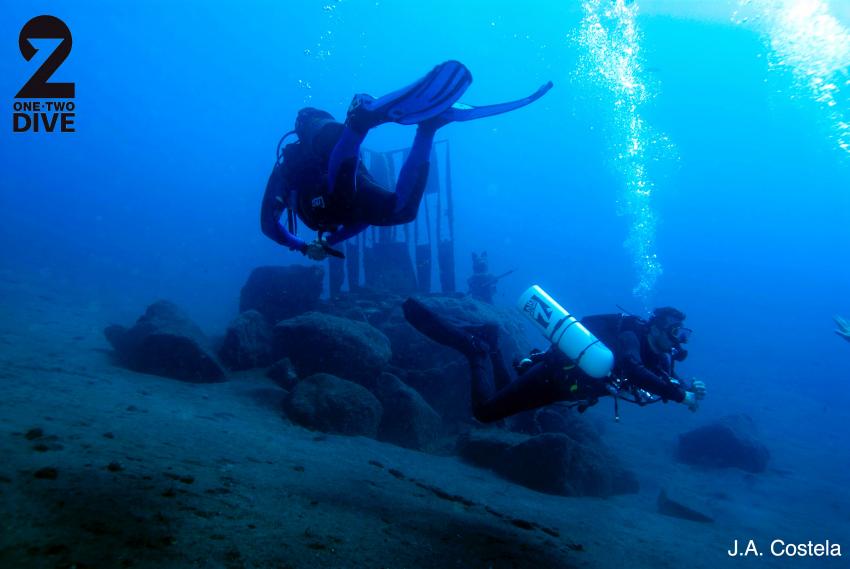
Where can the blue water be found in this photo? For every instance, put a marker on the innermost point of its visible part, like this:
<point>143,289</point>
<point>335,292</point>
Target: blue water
<point>180,106</point>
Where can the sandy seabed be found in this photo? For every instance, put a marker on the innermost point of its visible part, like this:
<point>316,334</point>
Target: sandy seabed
<point>102,467</point>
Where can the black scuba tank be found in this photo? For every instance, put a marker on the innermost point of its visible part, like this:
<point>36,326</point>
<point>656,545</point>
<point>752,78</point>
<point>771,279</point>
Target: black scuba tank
<point>304,161</point>
<point>317,131</point>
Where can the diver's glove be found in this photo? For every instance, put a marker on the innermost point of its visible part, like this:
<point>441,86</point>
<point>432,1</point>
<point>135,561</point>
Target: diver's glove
<point>317,250</point>
<point>694,395</point>
<point>698,387</point>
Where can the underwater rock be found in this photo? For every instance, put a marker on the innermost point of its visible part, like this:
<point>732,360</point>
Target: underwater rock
<point>321,343</point>
<point>165,342</point>
<point>247,343</point>
<point>730,442</point>
<point>556,419</point>
<point>445,389</point>
<point>408,421</point>
<point>326,403</point>
<point>486,447</point>
<point>282,292</point>
<point>282,372</point>
<point>552,463</point>
<point>557,464</point>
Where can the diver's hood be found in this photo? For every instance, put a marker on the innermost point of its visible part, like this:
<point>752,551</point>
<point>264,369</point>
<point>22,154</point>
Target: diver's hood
<point>317,130</point>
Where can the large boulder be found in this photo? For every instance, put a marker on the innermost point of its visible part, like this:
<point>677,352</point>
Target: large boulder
<point>282,292</point>
<point>556,418</point>
<point>486,447</point>
<point>730,442</point>
<point>247,343</point>
<point>446,389</point>
<point>408,421</point>
<point>164,341</point>
<point>321,343</point>
<point>324,402</point>
<point>553,463</point>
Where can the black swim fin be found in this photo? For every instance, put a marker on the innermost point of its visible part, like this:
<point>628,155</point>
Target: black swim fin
<point>460,112</point>
<point>419,101</point>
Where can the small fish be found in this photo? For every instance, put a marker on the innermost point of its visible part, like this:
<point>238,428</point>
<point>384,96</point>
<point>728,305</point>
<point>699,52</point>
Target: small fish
<point>674,509</point>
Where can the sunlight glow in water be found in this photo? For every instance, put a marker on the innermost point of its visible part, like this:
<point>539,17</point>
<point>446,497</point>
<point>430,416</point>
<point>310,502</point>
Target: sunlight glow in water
<point>806,39</point>
<point>611,42</point>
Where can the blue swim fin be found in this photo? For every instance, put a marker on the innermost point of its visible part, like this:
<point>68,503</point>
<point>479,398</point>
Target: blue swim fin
<point>419,101</point>
<point>460,112</point>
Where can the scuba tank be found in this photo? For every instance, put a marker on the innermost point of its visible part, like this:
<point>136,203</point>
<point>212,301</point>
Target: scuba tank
<point>567,333</point>
<point>317,131</point>
<point>303,164</point>
<point>299,163</point>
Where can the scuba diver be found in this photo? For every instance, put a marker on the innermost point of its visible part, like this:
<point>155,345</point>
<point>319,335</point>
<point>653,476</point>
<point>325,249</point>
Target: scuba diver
<point>641,370</point>
<point>321,180</point>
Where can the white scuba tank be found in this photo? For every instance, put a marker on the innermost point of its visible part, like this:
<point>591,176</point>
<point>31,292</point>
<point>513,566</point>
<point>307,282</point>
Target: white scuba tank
<point>567,333</point>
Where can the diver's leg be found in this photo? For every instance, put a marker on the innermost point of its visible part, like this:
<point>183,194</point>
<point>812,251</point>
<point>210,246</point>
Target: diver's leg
<point>421,100</point>
<point>537,387</point>
<point>413,177</point>
<point>375,205</point>
<point>443,330</point>
<point>481,387</point>
<point>501,374</point>
<point>470,341</point>
<point>344,158</point>
<point>489,334</point>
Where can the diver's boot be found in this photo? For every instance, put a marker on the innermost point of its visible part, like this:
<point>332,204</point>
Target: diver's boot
<point>358,116</point>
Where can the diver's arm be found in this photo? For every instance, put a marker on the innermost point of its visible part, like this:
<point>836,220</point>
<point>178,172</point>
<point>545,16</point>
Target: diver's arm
<point>639,375</point>
<point>345,232</point>
<point>276,231</point>
<point>271,211</point>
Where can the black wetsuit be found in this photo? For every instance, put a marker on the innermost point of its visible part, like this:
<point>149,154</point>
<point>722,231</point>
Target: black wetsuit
<point>553,376</point>
<point>306,173</point>
<point>634,360</point>
<point>357,200</point>
<point>334,194</point>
